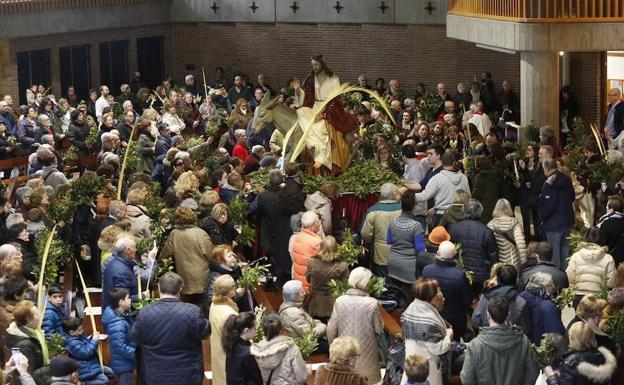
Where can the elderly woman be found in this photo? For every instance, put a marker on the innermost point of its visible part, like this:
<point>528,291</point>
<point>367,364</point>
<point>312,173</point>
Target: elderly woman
<point>221,309</point>
<point>425,331</point>
<point>294,318</point>
<point>224,261</point>
<point>509,235</point>
<point>356,314</point>
<point>136,212</point>
<point>321,270</point>
<point>589,267</point>
<point>191,249</point>
<point>278,357</point>
<point>192,117</point>
<point>344,353</point>
<point>585,362</point>
<point>171,119</point>
<point>24,334</point>
<point>240,148</point>
<point>218,226</point>
<point>321,203</point>
<point>545,315</point>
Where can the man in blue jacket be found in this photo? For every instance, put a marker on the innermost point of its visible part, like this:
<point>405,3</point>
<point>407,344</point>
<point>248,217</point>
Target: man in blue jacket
<point>170,334</point>
<point>118,271</point>
<point>54,312</point>
<point>118,324</point>
<point>556,211</point>
<point>615,115</point>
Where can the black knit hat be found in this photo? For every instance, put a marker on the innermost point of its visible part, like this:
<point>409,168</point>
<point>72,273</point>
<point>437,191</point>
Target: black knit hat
<point>62,366</point>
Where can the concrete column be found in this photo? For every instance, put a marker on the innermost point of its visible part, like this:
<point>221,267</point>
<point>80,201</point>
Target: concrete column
<point>539,89</point>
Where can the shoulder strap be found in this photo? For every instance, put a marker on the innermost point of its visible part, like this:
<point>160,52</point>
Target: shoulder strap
<point>270,377</point>
<point>329,273</point>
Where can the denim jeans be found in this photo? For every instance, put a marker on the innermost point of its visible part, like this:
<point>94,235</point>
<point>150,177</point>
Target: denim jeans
<point>102,378</point>
<point>558,239</point>
<point>125,378</point>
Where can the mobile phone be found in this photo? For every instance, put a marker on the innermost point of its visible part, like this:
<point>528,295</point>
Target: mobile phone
<point>16,355</point>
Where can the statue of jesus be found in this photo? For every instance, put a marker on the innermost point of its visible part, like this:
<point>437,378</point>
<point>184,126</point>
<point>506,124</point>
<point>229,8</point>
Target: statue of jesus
<point>326,141</point>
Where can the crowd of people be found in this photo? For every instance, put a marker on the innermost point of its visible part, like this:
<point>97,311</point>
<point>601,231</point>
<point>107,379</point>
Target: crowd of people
<point>474,244</point>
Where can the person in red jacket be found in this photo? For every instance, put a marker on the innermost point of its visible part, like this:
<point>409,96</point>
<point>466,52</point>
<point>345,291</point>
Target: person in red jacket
<point>240,149</point>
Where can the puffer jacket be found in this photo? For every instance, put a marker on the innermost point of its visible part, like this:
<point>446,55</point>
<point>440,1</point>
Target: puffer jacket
<point>305,245</point>
<point>322,206</point>
<point>53,320</point>
<point>589,267</point>
<point>375,228</point>
<point>478,247</point>
<point>545,315</point>
<point>589,367</point>
<point>509,241</point>
<point>84,350</point>
<point>122,347</point>
<point>280,359</point>
<point>140,221</point>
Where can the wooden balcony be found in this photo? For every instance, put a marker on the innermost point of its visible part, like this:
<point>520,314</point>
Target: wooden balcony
<point>8,7</point>
<point>541,11</point>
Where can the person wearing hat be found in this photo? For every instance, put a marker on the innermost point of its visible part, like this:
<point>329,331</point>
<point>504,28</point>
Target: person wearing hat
<point>64,371</point>
<point>453,284</point>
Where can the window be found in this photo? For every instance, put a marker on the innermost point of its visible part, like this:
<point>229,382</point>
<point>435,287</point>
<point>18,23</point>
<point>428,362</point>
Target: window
<point>150,60</point>
<point>33,67</point>
<point>114,64</point>
<point>76,70</point>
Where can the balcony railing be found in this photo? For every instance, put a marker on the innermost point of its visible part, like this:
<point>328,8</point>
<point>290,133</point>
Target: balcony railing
<point>541,11</point>
<point>26,6</point>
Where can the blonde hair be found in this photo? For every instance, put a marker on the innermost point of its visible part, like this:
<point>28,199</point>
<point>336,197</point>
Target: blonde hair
<point>461,197</point>
<point>582,337</point>
<point>360,278</point>
<point>218,210</point>
<point>502,209</point>
<point>590,306</point>
<point>416,368</point>
<point>184,183</point>
<point>109,236</point>
<point>184,216</point>
<point>328,250</point>
<point>208,198</point>
<point>11,268</point>
<point>135,197</point>
<point>342,349</point>
<point>222,285</point>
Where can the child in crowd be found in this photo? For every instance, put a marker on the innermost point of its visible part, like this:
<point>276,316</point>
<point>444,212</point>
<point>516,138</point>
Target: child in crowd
<point>117,323</point>
<point>416,370</point>
<point>54,312</point>
<point>85,350</point>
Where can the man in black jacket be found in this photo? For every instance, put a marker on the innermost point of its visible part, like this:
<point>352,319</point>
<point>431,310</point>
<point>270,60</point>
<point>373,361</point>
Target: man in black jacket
<point>612,228</point>
<point>544,253</point>
<point>170,334</point>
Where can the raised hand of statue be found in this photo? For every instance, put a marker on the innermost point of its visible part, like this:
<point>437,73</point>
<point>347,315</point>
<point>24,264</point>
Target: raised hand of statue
<point>296,84</point>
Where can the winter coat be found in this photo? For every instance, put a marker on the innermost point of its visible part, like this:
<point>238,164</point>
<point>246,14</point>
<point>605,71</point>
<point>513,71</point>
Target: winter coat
<point>77,134</point>
<point>499,355</point>
<point>453,214</point>
<point>555,203</point>
<point>424,331</point>
<point>26,135</point>
<point>478,247</point>
<point>53,320</point>
<point>519,312</point>
<point>318,275</point>
<point>559,277</point>
<point>334,374</point>
<point>455,287</point>
<point>375,228</point>
<point>545,316</point>
<point>281,360</point>
<point>322,206</point>
<point>356,314</point>
<point>305,245</point>
<point>220,311</point>
<point>241,367</point>
<point>220,233</point>
<point>147,155</point>
<point>122,347</point>
<point>588,267</point>
<point>170,333</point>
<point>295,320</point>
<point>84,350</point>
<point>53,177</point>
<point>406,238</point>
<point>489,187</point>
<point>118,272</point>
<point>442,187</point>
<point>20,337</point>
<point>217,270</point>
<point>589,367</point>
<point>140,221</point>
<point>510,241</point>
<point>275,230</point>
<point>191,249</point>
<point>163,144</point>
<point>612,235</point>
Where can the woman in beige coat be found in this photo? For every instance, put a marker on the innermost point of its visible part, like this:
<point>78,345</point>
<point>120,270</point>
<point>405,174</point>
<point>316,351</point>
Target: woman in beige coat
<point>221,309</point>
<point>509,235</point>
<point>356,314</point>
<point>191,249</point>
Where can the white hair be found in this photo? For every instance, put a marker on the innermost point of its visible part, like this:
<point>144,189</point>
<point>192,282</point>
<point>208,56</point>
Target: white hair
<point>115,207</point>
<point>182,155</point>
<point>42,117</point>
<point>308,219</point>
<point>7,250</point>
<point>122,244</point>
<point>387,191</point>
<point>106,136</point>
<point>240,132</point>
<point>47,139</point>
<point>126,103</point>
<point>257,149</point>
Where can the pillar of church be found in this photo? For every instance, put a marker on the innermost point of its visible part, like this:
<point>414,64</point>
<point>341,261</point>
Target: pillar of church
<point>539,89</point>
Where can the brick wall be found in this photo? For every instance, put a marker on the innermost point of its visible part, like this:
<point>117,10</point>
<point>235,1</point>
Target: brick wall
<point>586,81</point>
<point>410,53</point>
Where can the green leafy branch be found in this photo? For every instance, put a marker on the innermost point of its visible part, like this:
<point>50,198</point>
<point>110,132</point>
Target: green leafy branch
<point>59,254</point>
<point>565,297</point>
<point>252,274</point>
<point>459,263</point>
<point>349,250</point>
<point>307,343</point>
